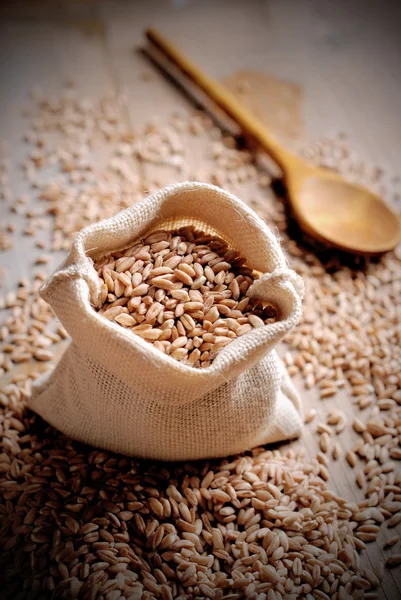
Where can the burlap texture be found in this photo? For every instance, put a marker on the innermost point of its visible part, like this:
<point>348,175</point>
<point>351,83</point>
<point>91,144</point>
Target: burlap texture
<point>116,391</point>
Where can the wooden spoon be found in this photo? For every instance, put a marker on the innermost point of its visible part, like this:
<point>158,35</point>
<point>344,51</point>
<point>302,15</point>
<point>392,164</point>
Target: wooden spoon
<point>339,213</point>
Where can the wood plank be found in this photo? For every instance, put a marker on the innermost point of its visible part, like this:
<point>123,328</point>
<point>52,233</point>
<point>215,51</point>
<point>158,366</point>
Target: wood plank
<point>27,59</point>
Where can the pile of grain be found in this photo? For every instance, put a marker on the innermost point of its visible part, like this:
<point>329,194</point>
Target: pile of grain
<point>183,291</point>
<point>90,524</point>
<point>265,526</point>
<point>28,331</point>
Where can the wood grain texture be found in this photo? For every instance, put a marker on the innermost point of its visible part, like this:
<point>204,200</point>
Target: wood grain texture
<point>345,57</point>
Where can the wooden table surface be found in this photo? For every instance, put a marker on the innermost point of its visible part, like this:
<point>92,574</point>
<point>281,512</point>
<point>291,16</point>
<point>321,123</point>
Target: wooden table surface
<point>345,55</point>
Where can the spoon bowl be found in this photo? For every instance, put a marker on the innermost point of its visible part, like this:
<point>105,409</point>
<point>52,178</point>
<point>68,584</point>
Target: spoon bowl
<point>341,214</point>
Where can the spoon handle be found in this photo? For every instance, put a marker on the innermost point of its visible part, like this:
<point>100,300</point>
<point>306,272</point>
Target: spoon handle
<point>226,100</point>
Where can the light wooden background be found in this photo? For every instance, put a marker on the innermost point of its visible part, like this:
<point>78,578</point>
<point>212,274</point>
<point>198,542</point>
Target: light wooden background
<point>345,55</point>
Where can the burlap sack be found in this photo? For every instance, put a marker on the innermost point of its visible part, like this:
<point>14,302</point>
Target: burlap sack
<point>116,391</point>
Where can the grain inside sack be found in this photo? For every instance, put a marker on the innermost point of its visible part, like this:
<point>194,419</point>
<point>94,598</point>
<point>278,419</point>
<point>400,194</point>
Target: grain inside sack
<point>183,291</point>
<point>221,299</point>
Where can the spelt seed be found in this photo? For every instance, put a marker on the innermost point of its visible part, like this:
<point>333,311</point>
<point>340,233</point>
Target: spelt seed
<point>392,541</point>
<point>324,441</point>
<point>351,458</point>
<point>394,560</point>
<point>310,415</point>
<point>125,320</point>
